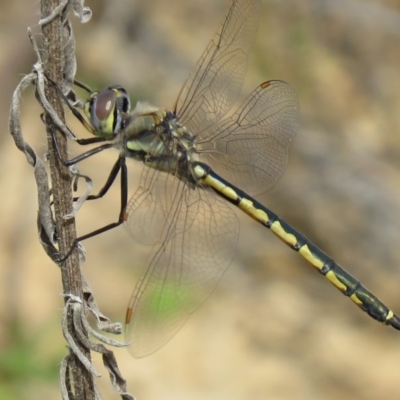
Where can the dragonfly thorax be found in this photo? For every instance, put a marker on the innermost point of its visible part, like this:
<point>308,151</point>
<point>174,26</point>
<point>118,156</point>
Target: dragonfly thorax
<point>155,137</point>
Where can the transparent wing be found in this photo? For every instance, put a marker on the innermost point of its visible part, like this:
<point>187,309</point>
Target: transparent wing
<point>215,82</point>
<point>187,260</point>
<point>251,148</point>
<point>153,214</point>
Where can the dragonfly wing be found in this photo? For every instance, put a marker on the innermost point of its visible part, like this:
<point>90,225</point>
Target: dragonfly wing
<point>215,82</point>
<point>183,269</point>
<point>251,148</point>
<point>154,208</point>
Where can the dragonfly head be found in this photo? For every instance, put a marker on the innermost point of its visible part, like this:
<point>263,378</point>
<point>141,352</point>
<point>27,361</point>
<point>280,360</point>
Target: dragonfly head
<point>107,110</point>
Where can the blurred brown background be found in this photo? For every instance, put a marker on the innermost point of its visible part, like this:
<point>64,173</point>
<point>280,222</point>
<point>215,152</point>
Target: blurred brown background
<point>273,329</point>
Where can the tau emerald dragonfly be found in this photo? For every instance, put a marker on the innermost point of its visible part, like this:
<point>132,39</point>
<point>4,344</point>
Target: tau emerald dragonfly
<point>200,161</point>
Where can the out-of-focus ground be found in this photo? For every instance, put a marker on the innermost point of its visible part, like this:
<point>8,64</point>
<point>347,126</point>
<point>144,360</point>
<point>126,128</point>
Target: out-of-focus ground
<point>273,329</point>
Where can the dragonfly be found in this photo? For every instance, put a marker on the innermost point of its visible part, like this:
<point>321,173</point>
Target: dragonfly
<point>201,159</point>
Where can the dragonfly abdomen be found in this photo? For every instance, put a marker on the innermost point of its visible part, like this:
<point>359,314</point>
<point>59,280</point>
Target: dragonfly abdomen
<point>325,265</point>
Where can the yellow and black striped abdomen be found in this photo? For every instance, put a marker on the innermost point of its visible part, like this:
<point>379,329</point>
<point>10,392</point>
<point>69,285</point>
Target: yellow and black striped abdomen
<point>325,265</point>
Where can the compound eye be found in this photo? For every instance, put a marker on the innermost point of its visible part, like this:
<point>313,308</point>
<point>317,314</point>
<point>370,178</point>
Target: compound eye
<point>104,105</point>
<point>102,112</point>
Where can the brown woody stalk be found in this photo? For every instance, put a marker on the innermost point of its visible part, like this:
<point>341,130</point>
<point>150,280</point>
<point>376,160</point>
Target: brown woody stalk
<point>81,381</point>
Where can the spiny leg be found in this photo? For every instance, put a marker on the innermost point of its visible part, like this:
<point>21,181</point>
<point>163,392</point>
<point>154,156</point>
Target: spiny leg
<point>120,165</point>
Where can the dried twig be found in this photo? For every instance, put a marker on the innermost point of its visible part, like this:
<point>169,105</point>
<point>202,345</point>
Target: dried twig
<point>56,60</point>
<point>54,21</point>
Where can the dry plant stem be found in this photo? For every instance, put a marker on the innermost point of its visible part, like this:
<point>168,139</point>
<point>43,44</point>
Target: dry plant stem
<point>82,384</point>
